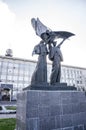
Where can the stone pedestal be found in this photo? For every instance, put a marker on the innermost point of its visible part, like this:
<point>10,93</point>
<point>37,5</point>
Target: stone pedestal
<point>57,86</point>
<point>51,110</point>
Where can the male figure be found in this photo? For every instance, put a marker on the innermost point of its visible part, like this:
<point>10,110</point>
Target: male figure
<point>55,55</point>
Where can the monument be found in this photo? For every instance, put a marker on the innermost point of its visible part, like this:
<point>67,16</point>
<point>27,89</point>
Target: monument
<point>48,46</point>
<point>54,105</point>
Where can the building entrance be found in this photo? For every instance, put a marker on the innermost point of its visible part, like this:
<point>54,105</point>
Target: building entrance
<point>6,92</point>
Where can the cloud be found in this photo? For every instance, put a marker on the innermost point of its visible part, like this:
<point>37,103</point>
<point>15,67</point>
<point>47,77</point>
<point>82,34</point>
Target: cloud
<point>7,21</point>
<point>14,32</point>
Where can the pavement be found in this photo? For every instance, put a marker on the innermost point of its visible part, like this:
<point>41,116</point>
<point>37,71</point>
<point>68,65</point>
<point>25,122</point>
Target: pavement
<point>3,116</point>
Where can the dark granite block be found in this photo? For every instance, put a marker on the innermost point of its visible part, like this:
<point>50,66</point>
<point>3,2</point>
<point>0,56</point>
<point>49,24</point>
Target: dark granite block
<point>55,98</point>
<point>66,109</point>
<point>79,118</point>
<point>66,120</point>
<point>44,99</point>
<point>32,113</point>
<point>48,98</point>
<point>82,96</point>
<point>55,110</point>
<point>57,122</point>
<point>82,106</point>
<point>76,119</point>
<point>66,94</point>
<point>43,111</point>
<point>75,108</point>
<point>47,123</point>
<point>82,117</point>
<point>32,98</point>
<point>79,107</point>
<point>32,106</point>
<point>32,124</point>
<point>78,96</point>
<point>66,100</point>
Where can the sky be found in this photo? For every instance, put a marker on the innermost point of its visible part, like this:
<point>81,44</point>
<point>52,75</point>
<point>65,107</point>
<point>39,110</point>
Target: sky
<point>17,33</point>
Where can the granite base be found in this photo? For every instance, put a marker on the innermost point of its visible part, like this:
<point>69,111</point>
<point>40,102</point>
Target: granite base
<point>51,110</point>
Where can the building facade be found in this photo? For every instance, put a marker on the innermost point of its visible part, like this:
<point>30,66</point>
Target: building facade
<point>15,74</point>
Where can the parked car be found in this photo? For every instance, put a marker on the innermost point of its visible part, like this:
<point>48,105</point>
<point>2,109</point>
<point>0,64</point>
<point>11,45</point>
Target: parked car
<point>4,110</point>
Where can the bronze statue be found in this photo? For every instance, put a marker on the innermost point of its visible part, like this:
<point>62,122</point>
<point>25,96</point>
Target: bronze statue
<point>48,38</point>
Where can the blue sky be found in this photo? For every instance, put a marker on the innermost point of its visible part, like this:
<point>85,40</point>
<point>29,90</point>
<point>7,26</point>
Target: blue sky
<point>67,15</point>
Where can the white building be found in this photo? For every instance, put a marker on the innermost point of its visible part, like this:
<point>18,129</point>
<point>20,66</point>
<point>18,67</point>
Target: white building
<point>15,74</point>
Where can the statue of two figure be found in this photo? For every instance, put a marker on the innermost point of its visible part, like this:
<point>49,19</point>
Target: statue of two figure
<point>47,46</point>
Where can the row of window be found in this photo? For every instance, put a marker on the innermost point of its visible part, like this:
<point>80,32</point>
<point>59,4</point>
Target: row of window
<point>22,79</point>
<point>4,72</point>
<point>21,71</point>
<point>16,65</point>
<point>14,78</point>
<point>31,64</point>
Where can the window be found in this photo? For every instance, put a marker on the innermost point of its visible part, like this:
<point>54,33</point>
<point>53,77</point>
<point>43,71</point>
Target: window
<point>15,78</point>
<point>5,64</point>
<point>25,78</point>
<point>22,66</point>
<point>26,68</point>
<point>20,78</point>
<point>77,82</point>
<point>4,71</point>
<point>80,72</point>
<point>26,73</point>
<point>15,66</point>
<point>15,72</point>
<point>80,82</point>
<point>9,78</point>
<point>10,71</point>
<point>77,72</point>
<point>10,65</point>
<point>21,72</point>
<point>3,77</point>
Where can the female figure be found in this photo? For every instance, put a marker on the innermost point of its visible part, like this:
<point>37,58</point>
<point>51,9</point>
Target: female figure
<point>40,74</point>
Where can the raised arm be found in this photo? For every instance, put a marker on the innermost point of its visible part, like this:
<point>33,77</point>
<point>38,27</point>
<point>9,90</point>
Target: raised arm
<point>61,42</point>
